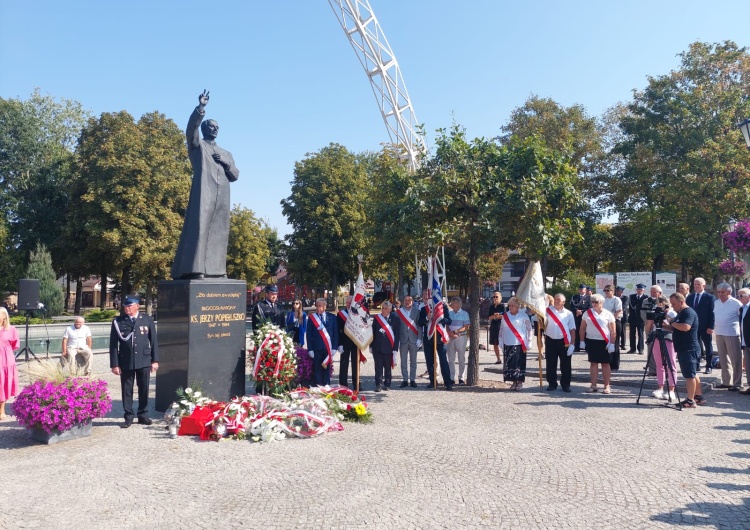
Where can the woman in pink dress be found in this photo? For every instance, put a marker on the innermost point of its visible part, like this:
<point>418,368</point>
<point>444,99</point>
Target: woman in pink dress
<point>8,370</point>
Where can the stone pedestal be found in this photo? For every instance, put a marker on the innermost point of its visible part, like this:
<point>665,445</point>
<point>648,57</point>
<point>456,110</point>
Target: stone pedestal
<point>201,331</point>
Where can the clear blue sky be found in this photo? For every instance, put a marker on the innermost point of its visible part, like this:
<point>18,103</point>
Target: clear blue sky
<point>284,80</point>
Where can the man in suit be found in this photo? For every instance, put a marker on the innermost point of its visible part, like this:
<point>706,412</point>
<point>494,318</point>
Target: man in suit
<point>409,341</point>
<point>580,303</point>
<point>134,356</point>
<point>636,321</point>
<point>744,297</point>
<point>625,302</point>
<point>347,348</point>
<point>322,341</point>
<point>435,343</point>
<point>386,333</point>
<point>703,304</point>
<point>268,310</point>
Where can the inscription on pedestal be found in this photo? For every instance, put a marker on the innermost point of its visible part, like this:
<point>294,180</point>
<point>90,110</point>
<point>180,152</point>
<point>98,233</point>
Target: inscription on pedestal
<point>201,330</point>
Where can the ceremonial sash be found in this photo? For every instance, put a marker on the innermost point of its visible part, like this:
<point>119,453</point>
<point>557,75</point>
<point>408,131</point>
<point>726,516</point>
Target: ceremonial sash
<point>403,314</point>
<point>595,321</point>
<point>344,315</point>
<point>556,320</point>
<point>387,327</point>
<point>324,335</point>
<point>514,331</point>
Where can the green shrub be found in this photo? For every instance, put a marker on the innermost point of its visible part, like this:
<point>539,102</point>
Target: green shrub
<point>101,316</point>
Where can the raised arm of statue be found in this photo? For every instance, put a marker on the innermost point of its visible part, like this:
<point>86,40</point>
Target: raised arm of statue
<point>193,129</point>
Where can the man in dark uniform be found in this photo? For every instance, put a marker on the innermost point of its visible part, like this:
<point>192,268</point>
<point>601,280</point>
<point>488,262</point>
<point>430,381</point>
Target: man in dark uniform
<point>267,310</point>
<point>322,341</point>
<point>133,355</point>
<point>347,348</point>
<point>429,346</point>
<point>578,304</point>
<point>386,333</point>
<point>625,312</point>
<point>636,322</point>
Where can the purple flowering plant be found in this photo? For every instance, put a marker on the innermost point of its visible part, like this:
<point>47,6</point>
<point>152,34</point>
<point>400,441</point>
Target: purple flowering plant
<point>59,406</point>
<point>305,365</point>
<point>730,268</point>
<point>738,241</point>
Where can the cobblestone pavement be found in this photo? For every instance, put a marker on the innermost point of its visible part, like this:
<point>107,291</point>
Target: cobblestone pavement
<point>480,457</point>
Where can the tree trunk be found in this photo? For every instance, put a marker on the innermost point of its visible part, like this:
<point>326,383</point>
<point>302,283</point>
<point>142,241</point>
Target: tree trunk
<point>472,376</point>
<point>400,291</point>
<point>79,296</point>
<point>684,271</point>
<point>67,292</point>
<point>149,297</point>
<point>103,289</point>
<point>332,306</point>
<point>658,265</point>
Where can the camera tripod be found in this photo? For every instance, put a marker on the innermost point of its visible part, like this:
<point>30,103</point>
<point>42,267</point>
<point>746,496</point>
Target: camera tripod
<point>26,348</point>
<point>669,369</point>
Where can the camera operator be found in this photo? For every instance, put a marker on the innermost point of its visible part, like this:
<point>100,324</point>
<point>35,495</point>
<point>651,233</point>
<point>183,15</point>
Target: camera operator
<point>658,316</point>
<point>684,329</point>
<point>648,304</point>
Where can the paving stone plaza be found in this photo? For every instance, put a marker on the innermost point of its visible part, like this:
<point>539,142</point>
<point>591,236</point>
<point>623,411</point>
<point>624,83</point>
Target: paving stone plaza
<point>482,457</point>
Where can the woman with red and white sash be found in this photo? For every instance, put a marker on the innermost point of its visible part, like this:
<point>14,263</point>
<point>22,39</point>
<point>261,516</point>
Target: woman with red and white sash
<point>598,328</point>
<point>514,340</point>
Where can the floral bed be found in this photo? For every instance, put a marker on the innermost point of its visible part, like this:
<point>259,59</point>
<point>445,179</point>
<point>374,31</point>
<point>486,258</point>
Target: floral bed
<point>301,413</point>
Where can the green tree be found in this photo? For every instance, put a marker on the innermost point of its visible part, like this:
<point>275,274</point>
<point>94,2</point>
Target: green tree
<point>135,180</point>
<point>248,253</point>
<point>40,268</point>
<point>686,169</point>
<point>325,210</point>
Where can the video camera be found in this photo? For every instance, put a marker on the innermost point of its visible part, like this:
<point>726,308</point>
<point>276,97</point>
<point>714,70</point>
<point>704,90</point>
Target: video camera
<point>656,313</point>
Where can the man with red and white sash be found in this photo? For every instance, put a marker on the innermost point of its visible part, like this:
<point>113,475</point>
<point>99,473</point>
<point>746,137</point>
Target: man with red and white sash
<point>559,343</point>
<point>386,333</point>
<point>409,341</point>
<point>347,348</point>
<point>322,341</point>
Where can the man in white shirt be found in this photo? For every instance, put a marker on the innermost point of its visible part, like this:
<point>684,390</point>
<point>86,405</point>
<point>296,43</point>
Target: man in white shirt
<point>559,340</point>
<point>727,332</point>
<point>76,345</point>
<point>458,336</point>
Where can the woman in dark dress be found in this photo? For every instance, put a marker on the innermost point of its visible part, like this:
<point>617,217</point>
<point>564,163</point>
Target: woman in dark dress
<point>495,316</point>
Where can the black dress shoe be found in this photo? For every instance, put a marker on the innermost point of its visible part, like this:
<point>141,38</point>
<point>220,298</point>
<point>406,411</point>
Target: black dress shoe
<point>404,384</point>
<point>127,423</point>
<point>707,370</point>
<point>413,384</point>
<point>631,351</point>
<point>550,388</point>
<point>145,421</point>
<point>386,388</point>
<point>734,389</point>
<point>461,382</point>
<point>449,388</point>
<point>566,389</point>
<point>378,388</point>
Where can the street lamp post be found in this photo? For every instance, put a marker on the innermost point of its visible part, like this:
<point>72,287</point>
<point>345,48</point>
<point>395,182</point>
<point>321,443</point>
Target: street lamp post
<point>730,228</point>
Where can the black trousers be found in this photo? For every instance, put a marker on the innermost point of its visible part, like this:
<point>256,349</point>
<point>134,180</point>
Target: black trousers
<point>383,368</point>
<point>348,355</point>
<point>429,357</point>
<point>620,327</point>
<point>142,377</point>
<point>707,345</point>
<point>322,375</point>
<point>555,349</point>
<point>578,338</point>
<point>633,329</point>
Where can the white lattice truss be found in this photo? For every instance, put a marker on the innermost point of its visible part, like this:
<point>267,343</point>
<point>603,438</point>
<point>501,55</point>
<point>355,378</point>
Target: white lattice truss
<point>374,53</point>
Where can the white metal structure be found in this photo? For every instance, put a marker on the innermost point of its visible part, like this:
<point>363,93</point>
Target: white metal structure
<point>380,64</point>
<point>374,53</point>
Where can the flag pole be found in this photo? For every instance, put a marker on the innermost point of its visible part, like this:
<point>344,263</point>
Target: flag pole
<point>539,347</point>
<point>359,366</point>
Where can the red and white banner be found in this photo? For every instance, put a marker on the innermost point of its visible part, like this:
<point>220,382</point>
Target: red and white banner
<point>387,328</point>
<point>565,334</point>
<point>358,325</point>
<point>515,332</point>
<point>435,305</point>
<point>318,323</point>
<point>403,314</point>
<point>595,320</point>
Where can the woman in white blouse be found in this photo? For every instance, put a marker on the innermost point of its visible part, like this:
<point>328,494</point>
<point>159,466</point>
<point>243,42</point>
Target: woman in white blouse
<point>515,336</point>
<point>598,327</point>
